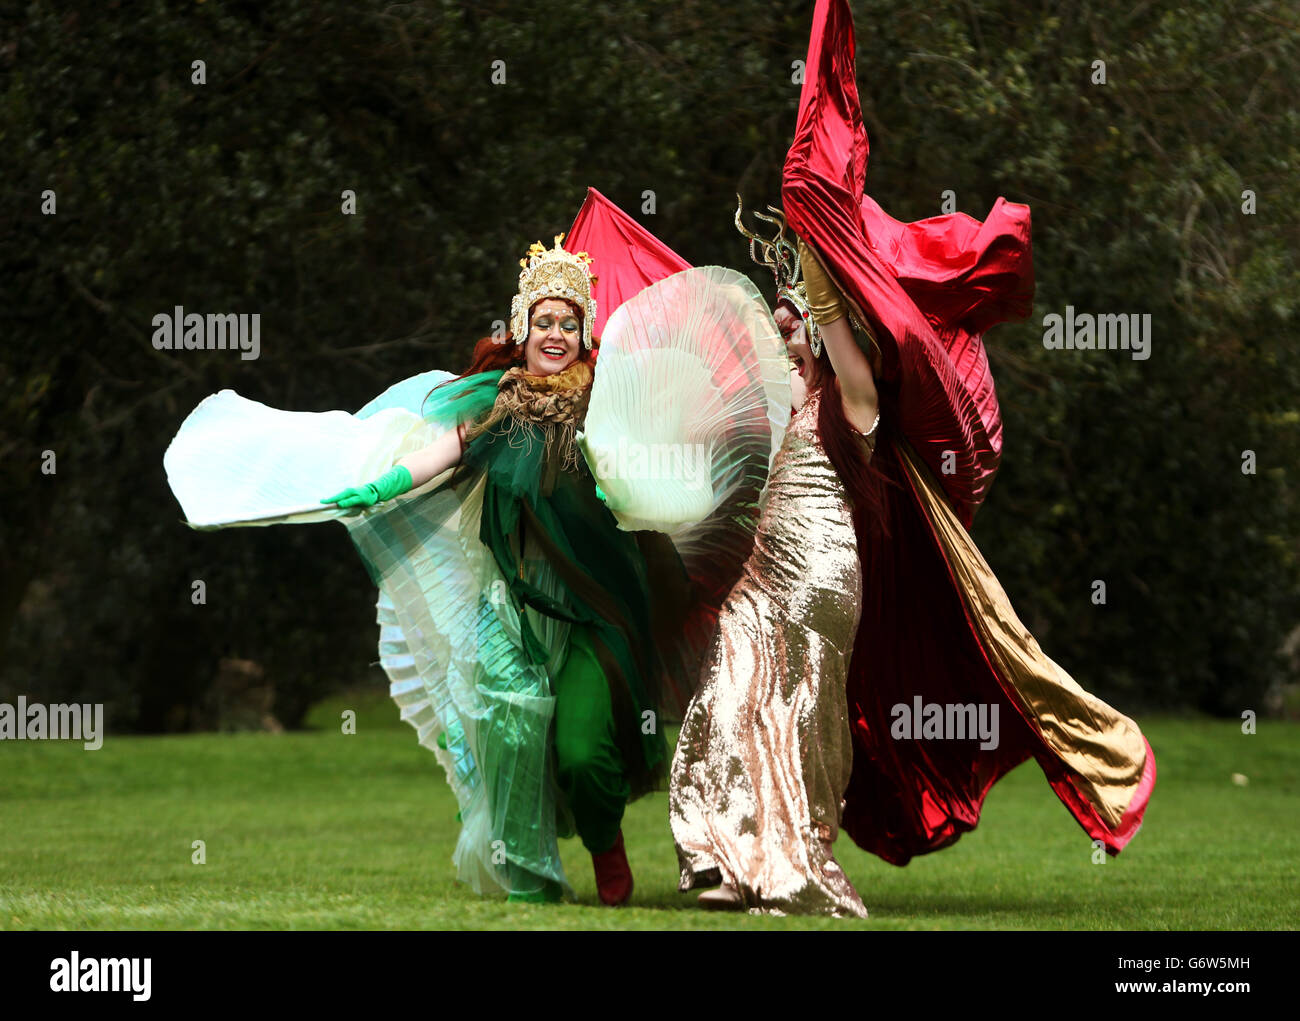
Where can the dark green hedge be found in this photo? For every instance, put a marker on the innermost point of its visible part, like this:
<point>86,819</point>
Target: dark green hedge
<point>226,197</point>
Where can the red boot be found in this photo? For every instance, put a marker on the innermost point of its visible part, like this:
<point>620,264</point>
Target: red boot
<point>613,874</point>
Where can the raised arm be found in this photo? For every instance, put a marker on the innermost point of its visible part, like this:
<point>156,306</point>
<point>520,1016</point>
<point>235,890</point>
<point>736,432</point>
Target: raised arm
<point>852,367</point>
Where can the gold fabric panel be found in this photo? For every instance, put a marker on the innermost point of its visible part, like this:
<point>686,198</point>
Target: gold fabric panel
<point>1104,748</point>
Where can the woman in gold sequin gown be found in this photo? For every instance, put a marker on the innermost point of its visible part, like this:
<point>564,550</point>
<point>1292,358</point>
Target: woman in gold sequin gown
<point>765,752</point>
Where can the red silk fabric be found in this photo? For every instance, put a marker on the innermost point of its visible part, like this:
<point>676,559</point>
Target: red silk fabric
<point>929,290</point>
<point>625,257</point>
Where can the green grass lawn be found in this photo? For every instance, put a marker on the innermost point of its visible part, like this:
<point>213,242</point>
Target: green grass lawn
<point>321,830</point>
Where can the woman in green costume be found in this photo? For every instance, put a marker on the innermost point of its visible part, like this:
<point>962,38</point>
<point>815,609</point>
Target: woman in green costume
<point>579,586</point>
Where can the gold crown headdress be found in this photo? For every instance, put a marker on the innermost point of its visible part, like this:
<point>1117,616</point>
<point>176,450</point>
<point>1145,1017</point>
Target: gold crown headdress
<point>553,273</point>
<point>782,258</point>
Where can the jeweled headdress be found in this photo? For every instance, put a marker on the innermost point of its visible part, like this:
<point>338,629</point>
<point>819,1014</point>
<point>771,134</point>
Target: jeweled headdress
<point>553,273</point>
<point>781,256</point>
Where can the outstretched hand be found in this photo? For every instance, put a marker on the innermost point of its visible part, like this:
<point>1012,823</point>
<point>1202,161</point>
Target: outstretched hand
<point>355,496</point>
<point>394,482</point>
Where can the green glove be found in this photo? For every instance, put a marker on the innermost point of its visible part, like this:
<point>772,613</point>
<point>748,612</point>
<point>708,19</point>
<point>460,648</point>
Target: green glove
<point>394,482</point>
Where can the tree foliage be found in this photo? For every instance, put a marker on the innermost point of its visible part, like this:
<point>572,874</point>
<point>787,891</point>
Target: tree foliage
<point>226,197</point>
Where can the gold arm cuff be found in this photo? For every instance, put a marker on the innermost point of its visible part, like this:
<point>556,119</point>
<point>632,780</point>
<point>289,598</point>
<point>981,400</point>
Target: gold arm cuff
<point>823,298</point>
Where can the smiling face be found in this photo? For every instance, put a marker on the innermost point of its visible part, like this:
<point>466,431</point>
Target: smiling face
<point>554,337</point>
<point>796,344</point>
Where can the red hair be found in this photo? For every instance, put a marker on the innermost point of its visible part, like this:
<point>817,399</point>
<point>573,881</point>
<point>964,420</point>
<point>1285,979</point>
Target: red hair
<point>493,353</point>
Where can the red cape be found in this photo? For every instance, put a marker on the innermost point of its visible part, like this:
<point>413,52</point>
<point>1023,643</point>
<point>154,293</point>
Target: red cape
<point>929,290</point>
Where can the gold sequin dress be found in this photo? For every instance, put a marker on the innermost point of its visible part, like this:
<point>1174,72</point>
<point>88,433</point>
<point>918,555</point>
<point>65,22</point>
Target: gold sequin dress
<point>765,752</point>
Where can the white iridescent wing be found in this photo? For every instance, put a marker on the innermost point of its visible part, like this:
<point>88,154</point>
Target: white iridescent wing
<point>235,462</point>
<point>690,401</point>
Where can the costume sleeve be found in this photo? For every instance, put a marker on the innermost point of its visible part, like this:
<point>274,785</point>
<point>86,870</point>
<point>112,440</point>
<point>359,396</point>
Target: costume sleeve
<point>236,462</point>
